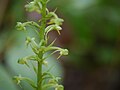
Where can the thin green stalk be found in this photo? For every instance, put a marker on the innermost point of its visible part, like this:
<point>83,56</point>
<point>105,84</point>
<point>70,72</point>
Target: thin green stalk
<point>43,22</point>
<point>39,83</point>
<point>42,29</point>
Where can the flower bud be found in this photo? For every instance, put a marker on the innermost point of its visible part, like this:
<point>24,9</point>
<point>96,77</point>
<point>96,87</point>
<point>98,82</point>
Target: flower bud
<point>22,61</point>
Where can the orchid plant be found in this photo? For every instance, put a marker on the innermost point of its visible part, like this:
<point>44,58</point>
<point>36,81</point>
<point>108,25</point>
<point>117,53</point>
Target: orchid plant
<point>49,21</point>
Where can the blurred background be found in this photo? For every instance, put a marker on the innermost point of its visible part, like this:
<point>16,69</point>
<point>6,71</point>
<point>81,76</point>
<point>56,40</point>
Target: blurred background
<point>91,32</point>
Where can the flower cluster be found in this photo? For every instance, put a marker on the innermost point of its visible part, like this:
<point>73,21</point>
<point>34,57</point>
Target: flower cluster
<point>49,22</point>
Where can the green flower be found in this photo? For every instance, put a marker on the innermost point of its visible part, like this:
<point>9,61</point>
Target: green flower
<point>57,21</point>
<point>17,79</point>
<point>33,6</point>
<point>51,28</point>
<point>20,26</point>
<point>63,52</point>
<point>59,87</point>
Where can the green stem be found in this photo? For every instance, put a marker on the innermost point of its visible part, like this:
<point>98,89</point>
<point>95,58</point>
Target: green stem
<point>42,29</point>
<point>43,22</point>
<point>39,83</point>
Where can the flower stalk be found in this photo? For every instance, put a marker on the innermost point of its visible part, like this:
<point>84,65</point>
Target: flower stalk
<point>42,29</point>
<point>48,22</point>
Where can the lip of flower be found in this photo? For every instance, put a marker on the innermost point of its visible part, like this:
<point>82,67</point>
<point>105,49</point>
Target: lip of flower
<point>57,27</point>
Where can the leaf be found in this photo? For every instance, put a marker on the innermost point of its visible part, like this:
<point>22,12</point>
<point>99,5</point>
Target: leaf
<point>34,68</point>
